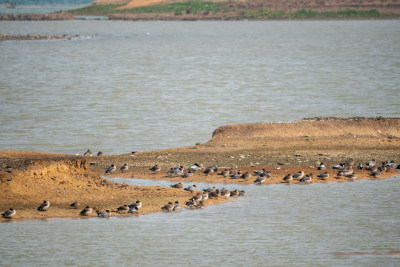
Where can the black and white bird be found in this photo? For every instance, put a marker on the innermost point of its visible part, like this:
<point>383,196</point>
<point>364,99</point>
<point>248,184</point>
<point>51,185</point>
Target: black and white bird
<point>44,206</point>
<point>86,211</point>
<point>124,168</point>
<point>9,213</point>
<point>111,168</point>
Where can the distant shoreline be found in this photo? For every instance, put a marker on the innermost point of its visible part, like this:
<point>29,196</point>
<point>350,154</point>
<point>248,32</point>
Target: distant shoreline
<point>186,12</point>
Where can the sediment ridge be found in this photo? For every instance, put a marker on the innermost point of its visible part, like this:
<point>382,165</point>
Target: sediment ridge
<point>28,178</point>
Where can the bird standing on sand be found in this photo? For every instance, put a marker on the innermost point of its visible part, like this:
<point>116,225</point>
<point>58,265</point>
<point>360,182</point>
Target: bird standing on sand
<point>260,180</point>
<point>88,153</point>
<point>168,207</point>
<point>9,213</point>
<point>44,206</point>
<point>124,168</point>
<point>111,168</point>
<point>298,175</point>
<point>246,176</point>
<point>371,163</point>
<point>135,205</point>
<point>307,179</point>
<point>178,185</point>
<point>323,176</point>
<point>225,193</point>
<point>86,211</point>
<point>177,206</point>
<point>100,153</point>
<point>155,168</point>
<point>123,209</point>
<point>195,167</point>
<point>236,175</point>
<point>352,177</point>
<point>104,214</point>
<point>74,205</point>
<point>321,166</point>
<point>287,178</point>
<point>191,188</point>
<point>187,174</point>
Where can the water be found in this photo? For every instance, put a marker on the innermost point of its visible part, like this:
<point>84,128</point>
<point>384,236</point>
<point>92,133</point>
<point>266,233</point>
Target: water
<point>152,85</point>
<point>335,224</point>
<point>41,6</point>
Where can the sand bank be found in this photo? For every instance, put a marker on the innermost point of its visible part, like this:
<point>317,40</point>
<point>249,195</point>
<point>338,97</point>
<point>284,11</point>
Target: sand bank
<point>281,148</point>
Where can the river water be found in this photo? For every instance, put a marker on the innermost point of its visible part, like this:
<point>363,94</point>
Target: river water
<point>123,86</point>
<point>335,224</point>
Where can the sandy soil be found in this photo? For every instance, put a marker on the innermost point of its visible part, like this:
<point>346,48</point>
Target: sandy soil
<point>281,148</point>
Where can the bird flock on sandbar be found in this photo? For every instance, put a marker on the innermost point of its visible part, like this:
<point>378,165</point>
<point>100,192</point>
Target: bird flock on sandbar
<point>344,170</point>
<point>198,200</point>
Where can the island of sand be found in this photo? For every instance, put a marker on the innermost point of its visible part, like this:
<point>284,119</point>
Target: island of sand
<point>29,178</point>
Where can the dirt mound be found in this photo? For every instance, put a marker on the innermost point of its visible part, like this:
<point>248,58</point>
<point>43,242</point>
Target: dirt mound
<point>315,128</point>
<point>29,178</point>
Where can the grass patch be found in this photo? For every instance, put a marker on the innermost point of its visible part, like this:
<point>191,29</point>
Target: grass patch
<point>206,7</point>
<point>96,10</point>
<point>189,7</point>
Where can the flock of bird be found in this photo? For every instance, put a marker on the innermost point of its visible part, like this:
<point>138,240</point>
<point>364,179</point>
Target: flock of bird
<point>130,208</point>
<point>198,200</point>
<point>345,170</point>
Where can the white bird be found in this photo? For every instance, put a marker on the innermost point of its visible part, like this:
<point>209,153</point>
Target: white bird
<point>321,166</point>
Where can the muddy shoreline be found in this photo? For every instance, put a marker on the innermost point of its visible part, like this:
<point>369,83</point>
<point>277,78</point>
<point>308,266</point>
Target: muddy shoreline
<point>28,178</point>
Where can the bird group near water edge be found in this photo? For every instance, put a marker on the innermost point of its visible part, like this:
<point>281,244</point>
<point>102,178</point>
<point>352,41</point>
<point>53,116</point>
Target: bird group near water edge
<point>344,170</point>
<point>197,201</point>
<point>130,208</point>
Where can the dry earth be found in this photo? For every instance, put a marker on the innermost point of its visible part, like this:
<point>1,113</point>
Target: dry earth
<point>281,148</point>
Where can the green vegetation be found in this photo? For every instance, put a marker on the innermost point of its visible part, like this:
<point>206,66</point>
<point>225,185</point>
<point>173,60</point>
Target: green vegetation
<point>206,7</point>
<point>310,14</point>
<point>96,10</point>
<point>190,7</point>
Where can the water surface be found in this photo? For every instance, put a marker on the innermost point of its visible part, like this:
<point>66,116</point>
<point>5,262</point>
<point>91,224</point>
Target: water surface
<point>152,85</point>
<point>334,224</point>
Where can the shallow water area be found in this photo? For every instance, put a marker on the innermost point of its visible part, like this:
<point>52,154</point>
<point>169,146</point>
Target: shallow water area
<point>319,224</point>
